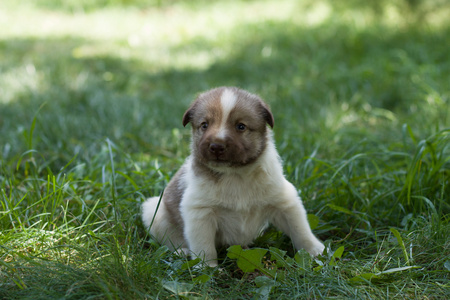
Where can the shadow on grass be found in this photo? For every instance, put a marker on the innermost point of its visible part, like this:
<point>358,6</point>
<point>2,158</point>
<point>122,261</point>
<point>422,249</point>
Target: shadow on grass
<point>310,76</point>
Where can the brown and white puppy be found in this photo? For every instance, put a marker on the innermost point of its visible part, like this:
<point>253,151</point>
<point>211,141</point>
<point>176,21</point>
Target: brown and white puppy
<point>232,185</point>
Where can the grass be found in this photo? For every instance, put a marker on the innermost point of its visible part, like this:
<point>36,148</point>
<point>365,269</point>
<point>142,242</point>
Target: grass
<point>91,99</point>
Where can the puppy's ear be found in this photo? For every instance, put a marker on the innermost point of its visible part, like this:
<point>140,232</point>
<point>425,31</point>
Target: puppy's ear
<point>267,114</point>
<point>187,117</point>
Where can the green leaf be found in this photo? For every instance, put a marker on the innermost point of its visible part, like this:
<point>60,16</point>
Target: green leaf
<point>378,276</point>
<point>189,264</point>
<point>278,256</point>
<point>318,268</point>
<point>201,279</point>
<point>400,242</point>
<point>340,209</point>
<point>263,280</point>
<point>364,277</point>
<point>178,288</point>
<point>265,286</point>
<point>234,252</point>
<point>247,260</point>
<point>303,259</point>
<point>394,270</point>
<point>336,255</point>
<point>407,128</point>
<point>30,136</point>
<point>136,187</point>
<point>447,265</point>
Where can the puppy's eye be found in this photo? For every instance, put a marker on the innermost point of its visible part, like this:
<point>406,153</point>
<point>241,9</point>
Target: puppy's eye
<point>204,125</point>
<point>241,127</point>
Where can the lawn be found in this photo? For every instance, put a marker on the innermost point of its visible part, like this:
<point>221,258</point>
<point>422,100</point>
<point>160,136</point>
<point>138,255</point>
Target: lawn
<point>91,99</point>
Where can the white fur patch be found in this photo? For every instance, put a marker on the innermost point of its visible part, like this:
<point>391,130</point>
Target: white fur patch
<point>228,102</point>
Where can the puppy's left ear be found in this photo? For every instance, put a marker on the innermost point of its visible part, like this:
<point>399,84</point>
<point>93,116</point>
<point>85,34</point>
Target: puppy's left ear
<point>267,114</point>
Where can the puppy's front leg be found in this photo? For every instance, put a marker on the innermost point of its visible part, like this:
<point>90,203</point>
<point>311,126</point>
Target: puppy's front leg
<point>200,228</point>
<point>290,217</point>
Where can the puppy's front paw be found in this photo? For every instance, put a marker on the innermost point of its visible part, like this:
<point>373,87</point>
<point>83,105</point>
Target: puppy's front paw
<point>206,264</point>
<point>315,247</point>
<point>212,263</point>
<point>182,252</point>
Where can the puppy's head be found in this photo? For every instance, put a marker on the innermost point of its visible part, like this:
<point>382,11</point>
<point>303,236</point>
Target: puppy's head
<point>228,127</point>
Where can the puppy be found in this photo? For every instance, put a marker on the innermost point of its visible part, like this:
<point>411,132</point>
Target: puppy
<point>232,185</point>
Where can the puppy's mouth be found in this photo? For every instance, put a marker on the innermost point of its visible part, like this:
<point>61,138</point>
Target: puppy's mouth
<point>225,158</point>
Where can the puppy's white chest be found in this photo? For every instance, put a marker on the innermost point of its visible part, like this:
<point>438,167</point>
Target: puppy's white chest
<point>237,194</point>
<point>239,227</point>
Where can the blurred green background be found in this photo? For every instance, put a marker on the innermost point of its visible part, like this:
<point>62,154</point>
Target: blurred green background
<point>127,69</point>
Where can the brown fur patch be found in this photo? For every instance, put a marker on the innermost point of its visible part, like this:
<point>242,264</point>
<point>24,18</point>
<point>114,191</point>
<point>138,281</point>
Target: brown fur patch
<point>172,198</point>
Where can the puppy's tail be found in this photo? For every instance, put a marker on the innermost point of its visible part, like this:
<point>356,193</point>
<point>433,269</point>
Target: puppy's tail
<point>156,220</point>
<point>149,209</point>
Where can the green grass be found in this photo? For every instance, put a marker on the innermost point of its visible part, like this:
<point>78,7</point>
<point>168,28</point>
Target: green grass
<point>91,99</point>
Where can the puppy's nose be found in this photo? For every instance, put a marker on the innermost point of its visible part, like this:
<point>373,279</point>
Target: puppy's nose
<point>217,148</point>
